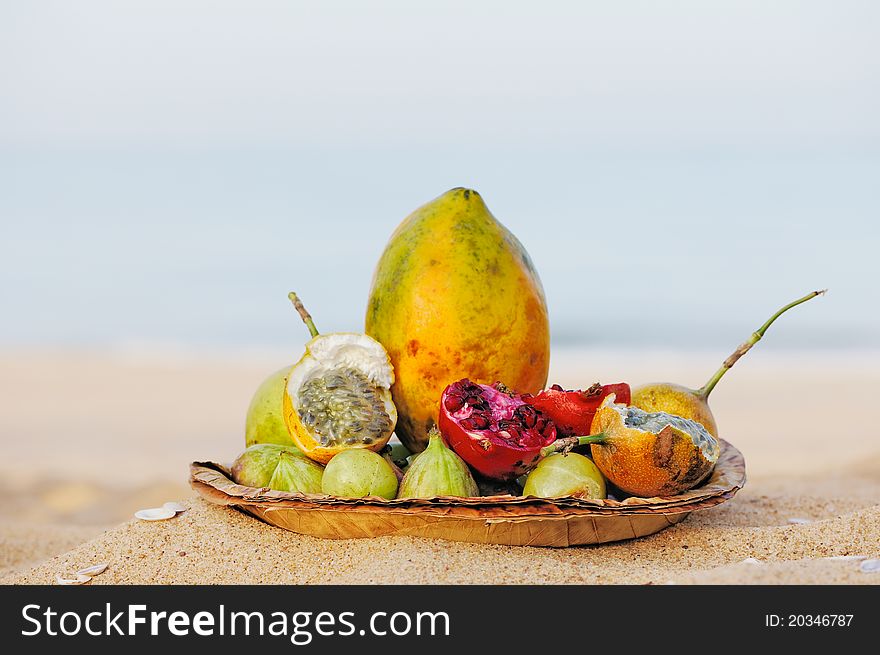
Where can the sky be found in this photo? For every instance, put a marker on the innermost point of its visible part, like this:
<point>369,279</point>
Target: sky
<point>677,170</point>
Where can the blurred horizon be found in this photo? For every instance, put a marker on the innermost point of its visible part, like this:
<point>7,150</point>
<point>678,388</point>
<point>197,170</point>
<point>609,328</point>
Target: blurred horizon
<point>170,170</point>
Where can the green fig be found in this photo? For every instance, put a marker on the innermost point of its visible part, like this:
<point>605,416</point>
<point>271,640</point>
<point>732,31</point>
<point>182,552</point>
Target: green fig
<point>277,467</point>
<point>437,471</point>
<point>565,474</point>
<point>265,416</point>
<point>693,404</point>
<point>358,472</point>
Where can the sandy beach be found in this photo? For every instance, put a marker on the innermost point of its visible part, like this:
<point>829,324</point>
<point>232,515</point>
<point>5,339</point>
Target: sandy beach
<point>89,437</point>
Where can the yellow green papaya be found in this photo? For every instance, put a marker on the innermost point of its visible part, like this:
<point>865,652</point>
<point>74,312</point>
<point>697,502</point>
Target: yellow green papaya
<point>456,295</point>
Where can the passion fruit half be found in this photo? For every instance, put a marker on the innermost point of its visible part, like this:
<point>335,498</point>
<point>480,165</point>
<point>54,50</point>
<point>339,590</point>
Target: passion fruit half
<point>338,394</point>
<point>651,454</point>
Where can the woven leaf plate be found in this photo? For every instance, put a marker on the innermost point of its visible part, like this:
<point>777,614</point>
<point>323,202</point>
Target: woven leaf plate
<point>510,520</point>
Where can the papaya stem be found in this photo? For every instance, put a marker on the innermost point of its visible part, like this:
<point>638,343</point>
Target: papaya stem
<point>306,317</point>
<point>744,347</point>
<point>567,443</point>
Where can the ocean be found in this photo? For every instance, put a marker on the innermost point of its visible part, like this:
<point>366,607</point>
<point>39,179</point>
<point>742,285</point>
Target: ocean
<point>664,248</point>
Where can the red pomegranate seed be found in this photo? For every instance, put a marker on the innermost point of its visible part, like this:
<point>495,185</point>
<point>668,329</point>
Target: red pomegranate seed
<point>453,403</point>
<point>527,415</point>
<point>480,422</point>
<point>475,422</point>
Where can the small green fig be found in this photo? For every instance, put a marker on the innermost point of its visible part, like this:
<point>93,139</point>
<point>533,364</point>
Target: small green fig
<point>437,471</point>
<point>358,472</point>
<point>560,475</point>
<point>283,468</point>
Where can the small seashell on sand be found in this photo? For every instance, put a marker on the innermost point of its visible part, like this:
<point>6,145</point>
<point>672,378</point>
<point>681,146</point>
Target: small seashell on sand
<point>799,521</point>
<point>751,560</point>
<point>870,566</point>
<point>847,558</point>
<point>155,514</point>
<point>176,507</point>
<point>92,571</point>
<point>79,579</point>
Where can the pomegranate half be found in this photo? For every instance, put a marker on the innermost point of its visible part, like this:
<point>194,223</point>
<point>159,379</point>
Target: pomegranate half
<point>495,431</point>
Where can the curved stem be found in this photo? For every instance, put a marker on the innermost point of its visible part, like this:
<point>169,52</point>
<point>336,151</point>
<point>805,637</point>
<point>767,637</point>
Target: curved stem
<point>306,317</point>
<point>744,347</point>
<point>567,443</point>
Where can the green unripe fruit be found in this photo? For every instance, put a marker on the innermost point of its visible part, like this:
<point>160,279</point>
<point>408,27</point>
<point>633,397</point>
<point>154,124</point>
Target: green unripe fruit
<point>438,471</point>
<point>560,475</point>
<point>358,472</point>
<point>277,467</point>
<point>265,416</point>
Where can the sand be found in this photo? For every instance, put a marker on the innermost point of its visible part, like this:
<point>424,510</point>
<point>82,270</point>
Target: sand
<point>122,428</point>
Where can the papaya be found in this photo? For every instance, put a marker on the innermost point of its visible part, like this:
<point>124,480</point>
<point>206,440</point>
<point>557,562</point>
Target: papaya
<point>455,295</point>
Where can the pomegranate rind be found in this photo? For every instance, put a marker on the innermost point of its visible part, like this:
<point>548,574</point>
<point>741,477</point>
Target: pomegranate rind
<point>573,411</point>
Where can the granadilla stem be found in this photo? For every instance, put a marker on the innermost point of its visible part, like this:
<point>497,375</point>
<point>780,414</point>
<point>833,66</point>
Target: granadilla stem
<point>751,341</point>
<point>306,317</point>
<point>567,443</point>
